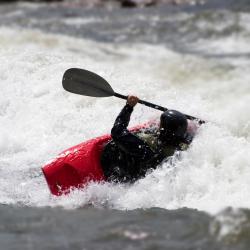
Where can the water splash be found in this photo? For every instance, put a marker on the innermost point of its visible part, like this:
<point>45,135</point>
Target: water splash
<point>39,119</point>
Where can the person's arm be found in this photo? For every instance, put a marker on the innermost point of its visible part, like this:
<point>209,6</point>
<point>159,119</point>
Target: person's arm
<point>125,139</point>
<point>121,122</point>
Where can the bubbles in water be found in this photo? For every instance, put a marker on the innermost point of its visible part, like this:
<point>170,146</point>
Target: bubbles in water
<point>39,119</point>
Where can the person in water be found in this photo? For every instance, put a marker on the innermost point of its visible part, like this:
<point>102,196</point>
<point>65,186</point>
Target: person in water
<point>129,155</point>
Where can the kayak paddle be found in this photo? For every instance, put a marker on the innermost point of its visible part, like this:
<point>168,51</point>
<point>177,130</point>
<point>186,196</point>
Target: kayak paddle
<point>84,82</point>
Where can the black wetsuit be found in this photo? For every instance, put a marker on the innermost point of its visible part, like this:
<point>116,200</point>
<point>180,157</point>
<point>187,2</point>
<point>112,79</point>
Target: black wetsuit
<point>128,157</point>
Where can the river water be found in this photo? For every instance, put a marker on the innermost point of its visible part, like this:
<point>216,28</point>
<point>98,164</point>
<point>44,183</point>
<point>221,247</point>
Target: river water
<point>194,58</point>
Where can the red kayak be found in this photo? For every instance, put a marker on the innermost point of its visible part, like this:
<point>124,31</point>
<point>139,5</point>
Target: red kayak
<point>78,165</point>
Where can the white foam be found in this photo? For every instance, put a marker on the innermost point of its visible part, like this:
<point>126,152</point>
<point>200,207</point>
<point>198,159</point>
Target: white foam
<point>80,21</point>
<point>39,119</point>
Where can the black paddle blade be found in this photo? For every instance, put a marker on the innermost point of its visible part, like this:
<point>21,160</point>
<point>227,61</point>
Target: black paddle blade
<point>84,82</point>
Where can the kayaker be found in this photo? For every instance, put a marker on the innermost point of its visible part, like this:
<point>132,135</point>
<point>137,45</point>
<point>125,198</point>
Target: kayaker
<point>130,155</point>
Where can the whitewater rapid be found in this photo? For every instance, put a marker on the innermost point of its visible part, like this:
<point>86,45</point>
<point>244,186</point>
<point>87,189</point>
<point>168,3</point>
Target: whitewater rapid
<point>38,119</point>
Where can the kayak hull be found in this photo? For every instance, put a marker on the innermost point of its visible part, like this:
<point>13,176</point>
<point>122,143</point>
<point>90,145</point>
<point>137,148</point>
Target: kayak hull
<point>76,166</point>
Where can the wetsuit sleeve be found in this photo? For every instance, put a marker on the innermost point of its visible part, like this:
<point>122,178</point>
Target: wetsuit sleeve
<point>127,141</point>
<point>121,122</point>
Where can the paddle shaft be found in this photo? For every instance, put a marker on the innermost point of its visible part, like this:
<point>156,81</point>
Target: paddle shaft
<point>151,105</point>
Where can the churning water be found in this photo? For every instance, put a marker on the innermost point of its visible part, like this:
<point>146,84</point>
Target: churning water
<point>200,67</point>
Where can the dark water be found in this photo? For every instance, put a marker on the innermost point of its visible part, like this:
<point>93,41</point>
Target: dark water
<point>178,28</point>
<point>89,228</point>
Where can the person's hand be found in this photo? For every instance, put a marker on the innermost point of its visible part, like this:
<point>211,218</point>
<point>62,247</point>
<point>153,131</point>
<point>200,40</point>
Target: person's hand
<point>132,100</point>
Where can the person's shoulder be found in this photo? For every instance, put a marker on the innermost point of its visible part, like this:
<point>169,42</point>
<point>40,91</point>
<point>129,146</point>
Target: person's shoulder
<point>183,146</point>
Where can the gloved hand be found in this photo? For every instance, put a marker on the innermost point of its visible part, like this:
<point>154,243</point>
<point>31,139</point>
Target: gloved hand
<point>132,100</point>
